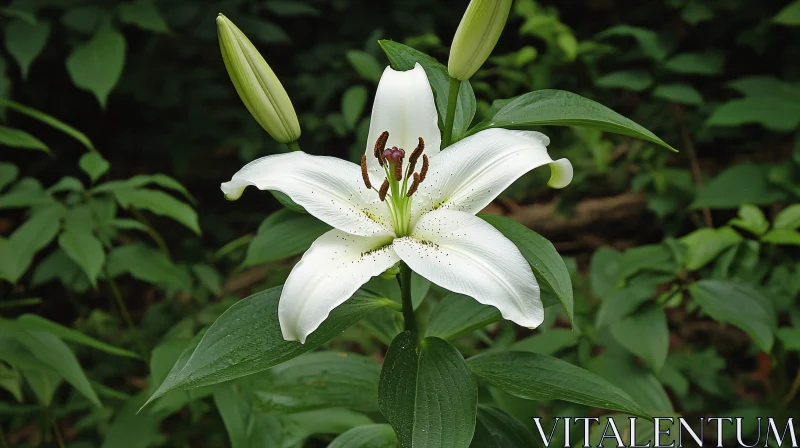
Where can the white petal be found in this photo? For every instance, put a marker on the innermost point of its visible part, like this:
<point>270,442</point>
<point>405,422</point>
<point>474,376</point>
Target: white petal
<point>332,269</point>
<point>472,172</point>
<point>404,107</point>
<point>330,189</point>
<point>465,254</point>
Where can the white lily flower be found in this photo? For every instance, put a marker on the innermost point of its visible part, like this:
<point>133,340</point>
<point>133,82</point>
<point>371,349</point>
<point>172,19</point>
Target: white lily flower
<point>418,208</point>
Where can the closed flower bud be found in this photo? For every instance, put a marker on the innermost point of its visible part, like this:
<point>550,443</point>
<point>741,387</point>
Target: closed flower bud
<point>476,36</point>
<point>256,83</point>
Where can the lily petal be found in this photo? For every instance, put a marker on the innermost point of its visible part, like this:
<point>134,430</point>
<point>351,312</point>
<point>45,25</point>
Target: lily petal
<point>465,254</point>
<point>404,107</point>
<point>472,172</point>
<point>332,269</point>
<point>330,189</point>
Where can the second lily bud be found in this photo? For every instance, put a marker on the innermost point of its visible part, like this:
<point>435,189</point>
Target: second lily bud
<point>256,83</point>
<point>476,36</point>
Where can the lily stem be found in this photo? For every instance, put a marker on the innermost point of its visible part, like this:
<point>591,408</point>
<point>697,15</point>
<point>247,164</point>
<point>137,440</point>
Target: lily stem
<point>408,306</point>
<point>293,146</point>
<point>452,100</point>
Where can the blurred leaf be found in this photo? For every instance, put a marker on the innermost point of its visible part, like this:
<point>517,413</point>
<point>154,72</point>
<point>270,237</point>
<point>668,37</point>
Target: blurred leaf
<point>740,305</point>
<point>209,277</point>
<point>367,436</point>
<point>25,40</point>
<point>646,335</point>
<point>788,218</point>
<point>320,380</point>
<point>162,180</point>
<point>85,249</point>
<point>548,342</point>
<point>457,315</point>
<point>752,219</point>
<point>144,14</point>
<point>648,40</point>
<point>11,381</point>
<point>283,234</point>
<point>132,429</point>
<point>94,165</point>
<point>16,138</point>
<point>53,352</point>
<point>248,428</point>
<point>365,64</point>
<point>42,379</point>
<point>427,393</point>
<point>560,108</point>
<point>603,269</point>
<point>738,184</point>
<point>789,15</point>
<point>148,265</point>
<point>636,80</point>
<point>540,253</point>
<point>353,102</point>
<point>159,203</point>
<point>497,429</point>
<point>48,120</point>
<point>247,339</point>
<point>16,252</point>
<point>262,31</point>
<point>617,304</point>
<point>66,183</point>
<point>291,8</point>
<point>706,244</point>
<point>640,384</point>
<point>678,93</point>
<point>696,63</point>
<point>696,12</point>
<point>38,323</point>
<point>765,86</point>
<point>776,113</point>
<point>790,338</point>
<point>8,174</point>
<point>403,58</point>
<point>538,377</point>
<point>96,65</point>
<point>84,18</point>
<point>782,236</point>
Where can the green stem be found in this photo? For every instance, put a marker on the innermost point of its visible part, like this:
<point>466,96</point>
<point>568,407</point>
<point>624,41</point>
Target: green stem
<point>293,146</point>
<point>452,100</point>
<point>56,431</point>
<point>151,231</point>
<point>408,307</point>
<point>126,316</point>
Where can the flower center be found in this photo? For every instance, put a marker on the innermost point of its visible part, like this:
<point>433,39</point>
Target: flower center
<point>396,190</point>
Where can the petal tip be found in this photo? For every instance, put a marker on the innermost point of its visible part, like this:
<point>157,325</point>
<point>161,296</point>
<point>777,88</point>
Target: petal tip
<point>561,173</point>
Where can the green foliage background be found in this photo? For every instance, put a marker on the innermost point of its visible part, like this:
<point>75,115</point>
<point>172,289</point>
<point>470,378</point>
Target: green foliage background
<point>117,248</point>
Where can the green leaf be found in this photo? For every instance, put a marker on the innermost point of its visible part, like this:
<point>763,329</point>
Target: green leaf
<point>789,15</point>
<point>752,219</point>
<point>403,57</point>
<point>43,379</point>
<point>131,429</point>
<point>8,174</point>
<point>49,120</point>
<point>25,40</point>
<point>162,180</point>
<point>457,315</point>
<point>706,244</point>
<point>283,234</point>
<point>678,93</point>
<point>740,305</point>
<point>782,236</point>
<point>85,250</point>
<point>17,252</point>
<point>646,335</point>
<point>636,80</point>
<point>777,113</point>
<point>497,429</point>
<point>83,19</point>
<point>96,65</point>
<point>540,253</point>
<point>144,14</point>
<point>427,393</point>
<point>247,339</point>
<point>549,342</point>
<point>318,381</point>
<point>367,436</point>
<point>148,265</point>
<point>648,40</point>
<point>291,8</point>
<point>739,184</point>
<point>560,108</point>
<point>94,165</point>
<point>66,183</point>
<point>159,203</point>
<point>790,338</point>
<point>788,218</point>
<point>639,383</point>
<point>365,64</point>
<point>617,304</point>
<point>539,377</point>
<point>353,102</point>
<point>38,323</point>
<point>16,138</point>
<point>696,63</point>
<point>53,352</point>
<point>11,381</point>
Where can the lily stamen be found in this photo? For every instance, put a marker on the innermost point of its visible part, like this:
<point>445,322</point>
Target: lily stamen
<point>364,172</point>
<point>424,171</point>
<point>414,185</point>
<point>384,189</point>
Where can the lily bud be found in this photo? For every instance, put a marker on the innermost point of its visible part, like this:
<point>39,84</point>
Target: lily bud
<point>256,83</point>
<point>476,36</point>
